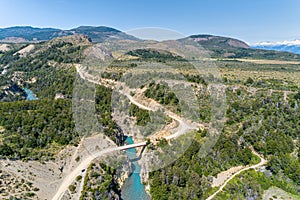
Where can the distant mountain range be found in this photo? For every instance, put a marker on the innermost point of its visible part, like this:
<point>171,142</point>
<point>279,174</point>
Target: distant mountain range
<point>289,46</point>
<point>215,46</point>
<point>99,34</point>
<point>31,34</point>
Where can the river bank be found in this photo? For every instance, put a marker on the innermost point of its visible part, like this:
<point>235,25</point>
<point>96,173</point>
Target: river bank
<point>133,187</point>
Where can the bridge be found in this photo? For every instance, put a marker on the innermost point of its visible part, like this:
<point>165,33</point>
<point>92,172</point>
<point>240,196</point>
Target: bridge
<point>183,127</point>
<point>83,165</point>
<point>130,146</point>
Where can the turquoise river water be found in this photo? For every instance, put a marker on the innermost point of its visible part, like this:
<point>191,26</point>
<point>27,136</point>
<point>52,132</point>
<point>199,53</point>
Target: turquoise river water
<point>30,95</point>
<point>133,189</point>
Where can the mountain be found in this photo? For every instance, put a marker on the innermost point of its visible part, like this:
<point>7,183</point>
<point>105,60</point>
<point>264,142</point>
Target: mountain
<point>101,33</point>
<point>28,33</point>
<point>288,46</point>
<point>211,41</point>
<point>31,34</point>
<point>225,47</point>
<point>216,46</point>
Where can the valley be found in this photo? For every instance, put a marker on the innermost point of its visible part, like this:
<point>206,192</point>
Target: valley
<point>197,108</point>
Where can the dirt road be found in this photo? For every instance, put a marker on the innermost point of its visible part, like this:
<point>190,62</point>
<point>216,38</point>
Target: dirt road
<point>261,163</point>
<point>79,170</point>
<point>182,128</point>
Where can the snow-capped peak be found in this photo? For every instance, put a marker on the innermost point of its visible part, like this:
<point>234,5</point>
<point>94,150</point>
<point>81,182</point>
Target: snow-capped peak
<point>286,42</point>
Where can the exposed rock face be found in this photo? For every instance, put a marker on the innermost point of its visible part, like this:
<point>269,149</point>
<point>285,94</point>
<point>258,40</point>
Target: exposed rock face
<point>11,93</point>
<point>77,40</point>
<point>59,96</point>
<point>123,174</point>
<point>26,50</point>
<point>103,182</point>
<point>5,47</point>
<point>120,137</point>
<point>14,40</point>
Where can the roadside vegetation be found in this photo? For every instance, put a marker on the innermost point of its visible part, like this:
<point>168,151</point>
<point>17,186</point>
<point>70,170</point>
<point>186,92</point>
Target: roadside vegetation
<point>255,117</point>
<point>142,116</point>
<point>162,93</point>
<point>252,184</point>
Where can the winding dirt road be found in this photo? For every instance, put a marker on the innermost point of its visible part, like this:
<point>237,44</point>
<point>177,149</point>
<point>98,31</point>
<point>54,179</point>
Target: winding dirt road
<point>68,180</point>
<point>183,127</point>
<point>261,163</point>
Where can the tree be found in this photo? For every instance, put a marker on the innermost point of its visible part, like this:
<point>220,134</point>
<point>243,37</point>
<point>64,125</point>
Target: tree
<point>250,81</point>
<point>297,96</point>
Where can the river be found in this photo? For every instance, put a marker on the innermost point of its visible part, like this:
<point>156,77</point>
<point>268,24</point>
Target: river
<point>133,189</point>
<point>30,95</point>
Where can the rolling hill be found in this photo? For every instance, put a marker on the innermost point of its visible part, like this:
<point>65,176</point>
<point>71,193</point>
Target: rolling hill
<point>31,34</point>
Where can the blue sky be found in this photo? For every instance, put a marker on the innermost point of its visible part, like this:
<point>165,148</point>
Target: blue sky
<point>249,20</point>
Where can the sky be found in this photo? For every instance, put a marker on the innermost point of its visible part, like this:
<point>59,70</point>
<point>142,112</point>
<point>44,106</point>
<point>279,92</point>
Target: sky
<point>250,20</point>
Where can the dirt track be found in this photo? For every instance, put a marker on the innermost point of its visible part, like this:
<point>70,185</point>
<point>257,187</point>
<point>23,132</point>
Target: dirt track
<point>182,128</point>
<point>261,163</point>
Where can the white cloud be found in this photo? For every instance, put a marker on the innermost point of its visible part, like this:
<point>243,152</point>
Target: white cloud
<point>286,42</point>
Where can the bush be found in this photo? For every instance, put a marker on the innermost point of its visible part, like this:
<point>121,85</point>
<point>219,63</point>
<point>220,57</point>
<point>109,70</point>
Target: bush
<point>72,188</point>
